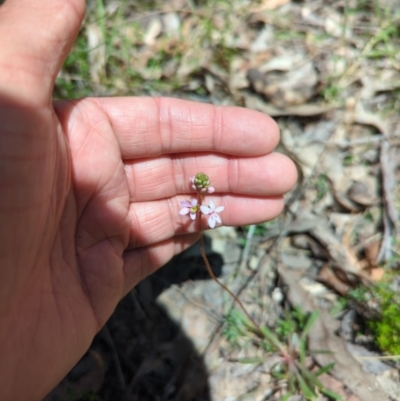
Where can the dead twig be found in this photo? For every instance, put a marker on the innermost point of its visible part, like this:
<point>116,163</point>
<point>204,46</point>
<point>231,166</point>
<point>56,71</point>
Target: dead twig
<point>390,215</point>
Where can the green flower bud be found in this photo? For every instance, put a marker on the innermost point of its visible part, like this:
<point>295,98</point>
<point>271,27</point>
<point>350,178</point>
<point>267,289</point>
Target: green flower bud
<point>201,182</point>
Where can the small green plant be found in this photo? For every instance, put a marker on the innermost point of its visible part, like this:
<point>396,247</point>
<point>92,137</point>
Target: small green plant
<point>289,342</point>
<point>359,294</point>
<point>332,93</point>
<point>349,160</point>
<point>292,365</point>
<point>322,186</point>
<point>292,322</point>
<point>387,328</point>
<point>338,308</point>
<point>235,327</point>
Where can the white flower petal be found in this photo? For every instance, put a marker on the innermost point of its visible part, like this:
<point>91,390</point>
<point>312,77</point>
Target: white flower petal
<point>219,209</point>
<point>211,221</point>
<point>205,209</point>
<point>211,206</point>
<point>193,216</point>
<point>193,202</point>
<point>184,211</point>
<point>218,219</point>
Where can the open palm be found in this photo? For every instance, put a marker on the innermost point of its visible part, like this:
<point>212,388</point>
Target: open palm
<point>90,194</point>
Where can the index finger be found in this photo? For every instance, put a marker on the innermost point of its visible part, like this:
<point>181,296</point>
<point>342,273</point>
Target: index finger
<point>150,127</point>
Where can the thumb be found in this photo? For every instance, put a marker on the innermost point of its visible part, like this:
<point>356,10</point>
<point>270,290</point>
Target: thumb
<point>36,36</point>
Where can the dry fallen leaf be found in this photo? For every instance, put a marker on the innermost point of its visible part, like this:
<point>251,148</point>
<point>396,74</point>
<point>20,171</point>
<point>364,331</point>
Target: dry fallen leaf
<point>331,280</point>
<point>303,110</point>
<point>361,194</point>
<point>341,257</point>
<point>377,274</point>
<point>284,81</point>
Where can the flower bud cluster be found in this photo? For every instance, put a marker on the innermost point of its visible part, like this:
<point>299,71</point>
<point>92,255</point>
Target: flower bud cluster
<point>201,183</point>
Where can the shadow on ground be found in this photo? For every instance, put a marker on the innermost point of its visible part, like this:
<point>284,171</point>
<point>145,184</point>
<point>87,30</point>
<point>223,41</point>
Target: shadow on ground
<point>141,354</point>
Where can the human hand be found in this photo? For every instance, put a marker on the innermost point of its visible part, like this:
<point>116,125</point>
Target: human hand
<point>91,190</point>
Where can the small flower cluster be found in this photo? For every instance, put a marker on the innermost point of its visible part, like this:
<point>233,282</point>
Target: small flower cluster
<point>201,184</point>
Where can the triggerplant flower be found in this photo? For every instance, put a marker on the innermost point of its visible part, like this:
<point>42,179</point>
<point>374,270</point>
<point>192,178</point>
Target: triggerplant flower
<point>212,212</point>
<point>201,184</point>
<point>189,207</point>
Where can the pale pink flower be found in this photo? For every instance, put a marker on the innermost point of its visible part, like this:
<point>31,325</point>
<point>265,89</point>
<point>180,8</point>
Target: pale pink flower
<point>208,190</point>
<point>212,212</point>
<point>189,208</point>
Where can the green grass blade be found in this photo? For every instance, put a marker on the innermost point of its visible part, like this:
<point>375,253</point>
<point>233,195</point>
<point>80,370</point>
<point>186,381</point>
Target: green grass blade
<point>310,322</point>
<point>302,350</point>
<point>305,389</point>
<point>286,397</point>
<point>292,383</point>
<point>272,338</point>
<point>310,377</point>
<point>324,369</point>
<point>250,360</point>
<point>320,351</point>
<point>332,395</point>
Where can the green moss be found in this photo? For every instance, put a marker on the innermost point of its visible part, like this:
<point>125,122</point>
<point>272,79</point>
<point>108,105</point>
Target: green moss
<point>386,326</point>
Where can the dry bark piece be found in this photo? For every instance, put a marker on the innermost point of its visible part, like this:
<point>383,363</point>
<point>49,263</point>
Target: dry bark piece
<point>388,165</point>
<point>371,250</point>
